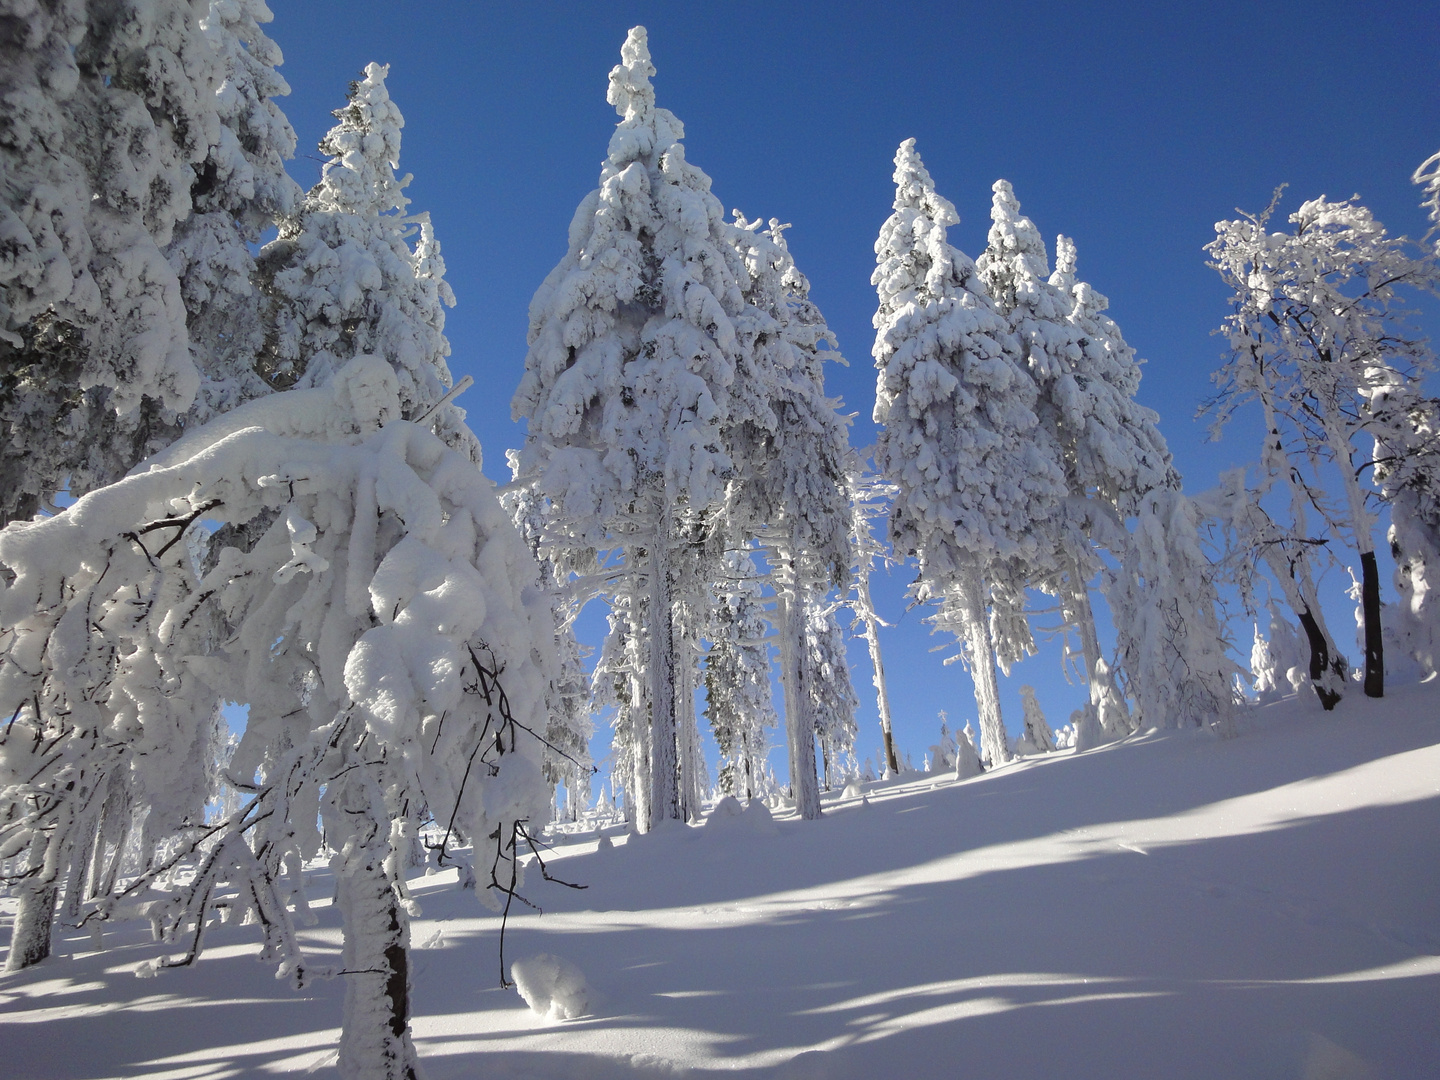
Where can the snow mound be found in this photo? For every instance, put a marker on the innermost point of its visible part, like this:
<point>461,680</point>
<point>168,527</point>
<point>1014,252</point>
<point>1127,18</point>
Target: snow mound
<point>728,807</point>
<point>730,818</point>
<point>555,989</point>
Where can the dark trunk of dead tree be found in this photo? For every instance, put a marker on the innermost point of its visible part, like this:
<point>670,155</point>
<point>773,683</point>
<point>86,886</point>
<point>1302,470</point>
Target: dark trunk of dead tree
<point>1319,660</point>
<point>1374,643</point>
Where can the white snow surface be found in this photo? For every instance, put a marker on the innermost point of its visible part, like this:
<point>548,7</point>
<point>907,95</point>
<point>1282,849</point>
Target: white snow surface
<point>1170,905</point>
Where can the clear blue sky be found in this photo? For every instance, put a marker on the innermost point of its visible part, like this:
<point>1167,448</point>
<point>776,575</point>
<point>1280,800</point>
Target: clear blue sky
<point>1130,127</point>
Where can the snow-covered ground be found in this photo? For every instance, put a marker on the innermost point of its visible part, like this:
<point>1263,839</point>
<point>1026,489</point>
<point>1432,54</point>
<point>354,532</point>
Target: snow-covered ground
<point>1173,906</point>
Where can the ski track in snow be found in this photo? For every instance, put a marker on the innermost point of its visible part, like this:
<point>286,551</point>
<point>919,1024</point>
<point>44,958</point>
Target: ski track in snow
<point>1174,906</point>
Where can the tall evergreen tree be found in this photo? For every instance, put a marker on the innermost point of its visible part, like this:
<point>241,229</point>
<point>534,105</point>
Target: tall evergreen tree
<point>789,445</point>
<point>343,278</point>
<point>627,383</point>
<point>1109,447</point>
<point>241,190</point>
<point>956,403</point>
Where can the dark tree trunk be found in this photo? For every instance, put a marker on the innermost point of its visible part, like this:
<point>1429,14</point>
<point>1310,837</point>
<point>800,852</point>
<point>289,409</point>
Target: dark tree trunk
<point>1319,660</point>
<point>890,761</point>
<point>1374,644</point>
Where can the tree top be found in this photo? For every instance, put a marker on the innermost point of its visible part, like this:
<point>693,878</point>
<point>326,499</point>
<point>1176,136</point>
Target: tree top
<point>915,189</point>
<point>630,90</point>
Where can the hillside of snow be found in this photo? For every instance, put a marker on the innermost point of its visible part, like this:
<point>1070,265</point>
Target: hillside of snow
<point>1171,906</point>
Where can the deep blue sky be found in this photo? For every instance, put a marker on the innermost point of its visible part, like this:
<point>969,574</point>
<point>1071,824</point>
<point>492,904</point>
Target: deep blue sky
<point>1131,127</point>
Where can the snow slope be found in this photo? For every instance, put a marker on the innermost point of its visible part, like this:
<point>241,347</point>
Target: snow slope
<point>1173,906</point>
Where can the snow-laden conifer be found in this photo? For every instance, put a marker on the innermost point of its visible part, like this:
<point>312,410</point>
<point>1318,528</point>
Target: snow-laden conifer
<point>958,429</point>
<point>739,699</point>
<point>108,109</point>
<point>1114,454</point>
<point>788,442</point>
<point>627,380</point>
<point>1108,445</point>
<point>386,629</point>
<point>1165,608</point>
<point>1037,737</point>
<point>1277,659</point>
<point>241,190</point>
<point>353,272</point>
<point>943,754</point>
<point>967,757</point>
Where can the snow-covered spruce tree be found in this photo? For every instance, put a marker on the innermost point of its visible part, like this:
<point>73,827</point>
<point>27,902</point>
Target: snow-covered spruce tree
<point>387,631</point>
<point>739,701</point>
<point>343,279</point>
<point>1038,737</point>
<point>955,402</point>
<point>1114,455</point>
<point>108,109</point>
<point>832,697</point>
<point>789,445</point>
<point>1277,659</point>
<point>627,380</point>
<point>240,190</point>
<point>1109,446</point>
<point>943,754</point>
<point>1315,325</point>
<point>870,499</point>
<point>967,757</point>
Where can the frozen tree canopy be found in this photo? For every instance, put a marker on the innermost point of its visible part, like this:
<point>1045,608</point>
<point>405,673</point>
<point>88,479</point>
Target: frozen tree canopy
<point>632,343</point>
<point>958,438</point>
<point>389,602</point>
<point>241,190</point>
<point>343,278</point>
<point>672,380</point>
<point>109,110</point>
<point>1315,329</point>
